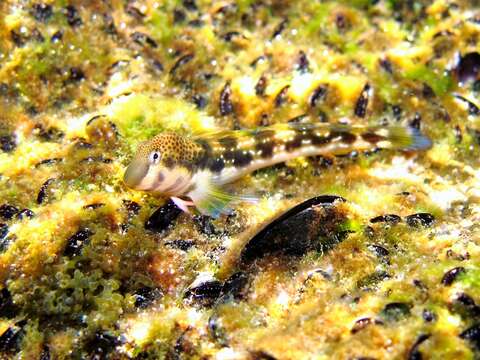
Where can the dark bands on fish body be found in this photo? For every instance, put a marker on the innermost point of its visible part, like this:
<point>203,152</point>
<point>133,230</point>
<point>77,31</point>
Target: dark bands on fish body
<point>265,148</point>
<point>318,140</point>
<point>348,138</point>
<point>228,142</point>
<point>216,165</point>
<point>242,158</point>
<point>205,154</point>
<point>263,135</point>
<point>372,138</point>
<point>229,155</point>
<point>294,144</point>
<point>169,163</point>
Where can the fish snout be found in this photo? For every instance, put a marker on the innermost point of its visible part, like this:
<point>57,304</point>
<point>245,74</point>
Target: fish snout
<point>135,173</point>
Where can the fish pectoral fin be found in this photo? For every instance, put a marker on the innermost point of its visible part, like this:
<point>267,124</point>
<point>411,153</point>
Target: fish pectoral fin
<point>182,204</point>
<point>213,201</point>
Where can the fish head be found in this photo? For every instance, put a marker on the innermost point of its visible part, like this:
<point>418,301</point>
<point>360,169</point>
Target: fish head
<point>162,165</point>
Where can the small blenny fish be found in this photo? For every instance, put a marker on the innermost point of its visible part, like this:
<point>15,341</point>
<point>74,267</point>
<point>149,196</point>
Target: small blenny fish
<point>198,167</point>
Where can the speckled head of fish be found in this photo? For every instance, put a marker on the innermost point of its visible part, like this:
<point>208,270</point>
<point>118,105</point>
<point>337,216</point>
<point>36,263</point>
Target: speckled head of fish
<point>162,165</point>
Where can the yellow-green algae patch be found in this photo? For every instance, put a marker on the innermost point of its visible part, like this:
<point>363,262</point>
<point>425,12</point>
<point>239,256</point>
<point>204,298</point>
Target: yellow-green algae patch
<point>87,271</point>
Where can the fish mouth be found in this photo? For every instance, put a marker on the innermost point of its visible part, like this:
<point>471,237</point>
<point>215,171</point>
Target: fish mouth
<point>135,173</point>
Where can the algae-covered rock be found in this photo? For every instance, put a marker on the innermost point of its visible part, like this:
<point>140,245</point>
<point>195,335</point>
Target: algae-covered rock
<point>92,269</point>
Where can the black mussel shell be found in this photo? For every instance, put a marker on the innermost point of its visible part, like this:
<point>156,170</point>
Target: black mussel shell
<point>468,67</point>
<point>310,225</point>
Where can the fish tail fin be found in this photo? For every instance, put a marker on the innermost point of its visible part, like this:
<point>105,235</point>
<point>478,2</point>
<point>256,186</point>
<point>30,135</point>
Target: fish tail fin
<point>408,138</point>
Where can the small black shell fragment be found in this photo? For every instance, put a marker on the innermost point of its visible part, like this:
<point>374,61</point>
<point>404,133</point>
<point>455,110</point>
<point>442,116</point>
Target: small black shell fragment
<point>190,5</point>
<point>7,143</point>
<point>257,60</point>
<point>7,307</point>
<point>42,194</point>
<point>395,311</point>
<point>143,39</point>
<point>57,36</point>
<point>196,23</point>
<point>466,307</point>
<point>42,12</point>
<point>420,219</point>
<point>416,121</point>
<point>476,86</point>
<point>181,244</point>
<point>235,286</point>
<point>397,111</point>
<point>451,275</point>
<point>37,36</point>
<point>76,242</point>
<point>48,162</point>
<point>94,159</point>
<point>11,339</point>
<point>282,96</point>
<point>318,218</point>
<point>361,324</point>
<point>427,91</point>
<point>205,293</point>
<point>17,38</point>
<point>216,331</point>
<point>362,101</point>
<point>261,86</point>
<point>3,230</point>
<point>379,251</point>
<point>200,101</point>
<point>134,11</point>
<point>428,315</point>
<point>101,344</point>
<point>145,296</point>
<point>205,225</point>
<point>109,25</point>
<point>302,62</point>
<point>73,19</point>
<point>472,334</point>
<point>178,16</point>
<point>317,95</point>
<point>76,75</point>
<point>261,355</point>
<point>387,218</point>
<point>132,207</point>
<point>372,280</point>
<point>52,134</point>
<point>45,354</point>
<point>472,108</point>
<point>82,144</point>
<point>185,59</point>
<point>230,35</point>
<point>163,217</point>
<point>468,67</point>
<point>386,65</point>
<point>225,104</point>
<point>279,29</point>
<point>7,211</point>
<point>93,206</point>
<point>414,353</point>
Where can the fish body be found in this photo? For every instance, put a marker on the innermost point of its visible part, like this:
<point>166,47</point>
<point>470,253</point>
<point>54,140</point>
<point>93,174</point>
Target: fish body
<point>198,167</point>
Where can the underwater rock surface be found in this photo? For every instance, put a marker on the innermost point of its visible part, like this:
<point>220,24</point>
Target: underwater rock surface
<point>92,269</point>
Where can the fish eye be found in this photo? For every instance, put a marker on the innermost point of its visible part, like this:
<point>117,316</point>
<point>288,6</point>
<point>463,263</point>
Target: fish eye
<point>154,157</point>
